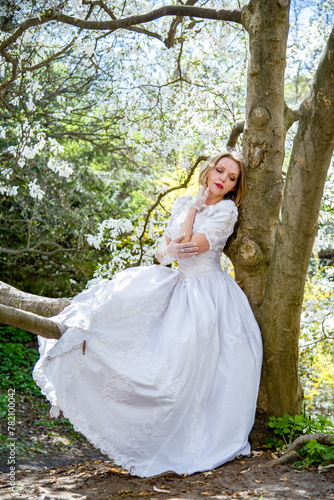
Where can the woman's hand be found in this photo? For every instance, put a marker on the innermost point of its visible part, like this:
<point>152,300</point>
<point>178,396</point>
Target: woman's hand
<point>181,250</point>
<point>200,198</point>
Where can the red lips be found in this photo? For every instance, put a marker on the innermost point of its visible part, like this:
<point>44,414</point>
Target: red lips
<point>219,186</point>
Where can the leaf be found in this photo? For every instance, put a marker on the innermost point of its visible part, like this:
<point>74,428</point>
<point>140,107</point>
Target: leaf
<point>160,490</point>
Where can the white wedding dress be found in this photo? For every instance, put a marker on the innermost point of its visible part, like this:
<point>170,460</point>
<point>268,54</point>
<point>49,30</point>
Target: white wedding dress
<point>160,368</point>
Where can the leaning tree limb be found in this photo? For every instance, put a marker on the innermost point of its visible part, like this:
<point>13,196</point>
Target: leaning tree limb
<point>40,306</point>
<point>292,452</point>
<point>29,321</point>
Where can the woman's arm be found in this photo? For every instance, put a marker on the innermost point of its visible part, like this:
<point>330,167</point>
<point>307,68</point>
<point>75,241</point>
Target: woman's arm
<point>170,250</point>
<point>187,229</point>
<point>187,225</point>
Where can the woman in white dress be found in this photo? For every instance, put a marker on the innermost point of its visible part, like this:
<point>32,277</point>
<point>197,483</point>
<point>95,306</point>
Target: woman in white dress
<point>160,368</point>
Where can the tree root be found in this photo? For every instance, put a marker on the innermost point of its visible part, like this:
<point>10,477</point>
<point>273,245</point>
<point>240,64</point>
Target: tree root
<point>292,452</point>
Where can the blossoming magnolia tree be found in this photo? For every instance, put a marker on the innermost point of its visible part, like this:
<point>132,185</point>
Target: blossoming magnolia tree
<point>273,241</point>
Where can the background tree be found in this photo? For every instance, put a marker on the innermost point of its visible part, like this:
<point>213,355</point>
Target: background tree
<point>272,244</point>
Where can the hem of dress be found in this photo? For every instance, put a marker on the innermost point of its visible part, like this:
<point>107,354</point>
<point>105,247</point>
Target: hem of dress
<point>81,426</point>
<point>96,439</point>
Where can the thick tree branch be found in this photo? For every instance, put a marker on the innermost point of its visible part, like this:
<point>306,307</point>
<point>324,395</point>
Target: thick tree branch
<point>127,22</point>
<point>41,306</point>
<point>292,452</point>
<point>237,129</point>
<point>168,10</point>
<point>29,321</point>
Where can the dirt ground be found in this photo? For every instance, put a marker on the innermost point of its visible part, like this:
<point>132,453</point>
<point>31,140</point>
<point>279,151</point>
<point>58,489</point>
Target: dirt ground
<point>244,478</point>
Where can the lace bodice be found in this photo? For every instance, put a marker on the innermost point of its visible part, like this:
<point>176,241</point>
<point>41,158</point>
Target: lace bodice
<point>215,221</point>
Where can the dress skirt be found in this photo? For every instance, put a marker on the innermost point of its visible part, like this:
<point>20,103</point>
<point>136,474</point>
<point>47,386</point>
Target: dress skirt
<point>157,369</point>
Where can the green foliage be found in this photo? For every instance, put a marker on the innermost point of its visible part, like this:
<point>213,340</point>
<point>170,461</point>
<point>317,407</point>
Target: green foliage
<point>314,453</point>
<point>287,428</point>
<point>18,354</point>
<point>36,433</point>
<point>316,362</point>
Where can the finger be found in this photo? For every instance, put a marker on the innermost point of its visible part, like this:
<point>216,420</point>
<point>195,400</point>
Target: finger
<point>193,248</point>
<point>179,238</point>
<point>188,250</point>
<point>185,256</point>
<point>189,244</point>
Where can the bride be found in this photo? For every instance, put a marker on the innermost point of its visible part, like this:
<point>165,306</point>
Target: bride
<point>160,368</point>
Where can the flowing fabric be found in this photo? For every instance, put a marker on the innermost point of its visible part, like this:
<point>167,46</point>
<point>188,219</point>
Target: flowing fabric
<point>160,368</point>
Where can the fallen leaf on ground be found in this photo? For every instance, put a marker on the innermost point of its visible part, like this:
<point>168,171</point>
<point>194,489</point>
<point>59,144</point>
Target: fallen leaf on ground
<point>244,471</point>
<point>160,490</point>
<point>257,453</point>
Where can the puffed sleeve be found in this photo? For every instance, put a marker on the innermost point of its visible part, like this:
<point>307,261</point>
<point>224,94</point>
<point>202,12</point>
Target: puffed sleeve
<point>177,216</point>
<point>217,223</point>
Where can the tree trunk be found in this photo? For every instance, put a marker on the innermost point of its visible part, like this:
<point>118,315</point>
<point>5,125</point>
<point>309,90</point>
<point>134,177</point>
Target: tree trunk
<point>267,23</point>
<point>296,230</point>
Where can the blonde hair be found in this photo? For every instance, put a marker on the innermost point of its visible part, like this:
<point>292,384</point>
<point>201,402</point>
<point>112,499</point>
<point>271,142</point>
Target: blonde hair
<point>238,193</point>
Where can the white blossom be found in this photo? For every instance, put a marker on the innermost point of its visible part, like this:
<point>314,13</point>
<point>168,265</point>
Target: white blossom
<point>35,191</point>
<point>8,190</point>
<point>31,106</point>
<point>60,166</point>
<point>28,152</point>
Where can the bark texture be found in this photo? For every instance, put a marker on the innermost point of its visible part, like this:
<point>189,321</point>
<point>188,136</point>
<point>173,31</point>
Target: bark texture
<point>28,311</point>
<point>29,321</point>
<point>296,230</point>
<point>267,23</point>
<point>42,306</point>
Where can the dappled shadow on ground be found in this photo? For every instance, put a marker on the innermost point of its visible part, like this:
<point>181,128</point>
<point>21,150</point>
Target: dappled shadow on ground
<point>245,478</point>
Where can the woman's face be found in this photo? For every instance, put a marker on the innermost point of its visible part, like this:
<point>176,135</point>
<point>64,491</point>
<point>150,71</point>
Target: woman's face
<point>223,177</point>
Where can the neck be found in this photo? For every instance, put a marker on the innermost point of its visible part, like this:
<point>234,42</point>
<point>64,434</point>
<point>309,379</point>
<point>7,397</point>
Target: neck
<point>213,200</point>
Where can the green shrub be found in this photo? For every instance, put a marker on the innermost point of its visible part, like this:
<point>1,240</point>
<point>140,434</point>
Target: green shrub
<point>287,428</point>
<point>18,355</point>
